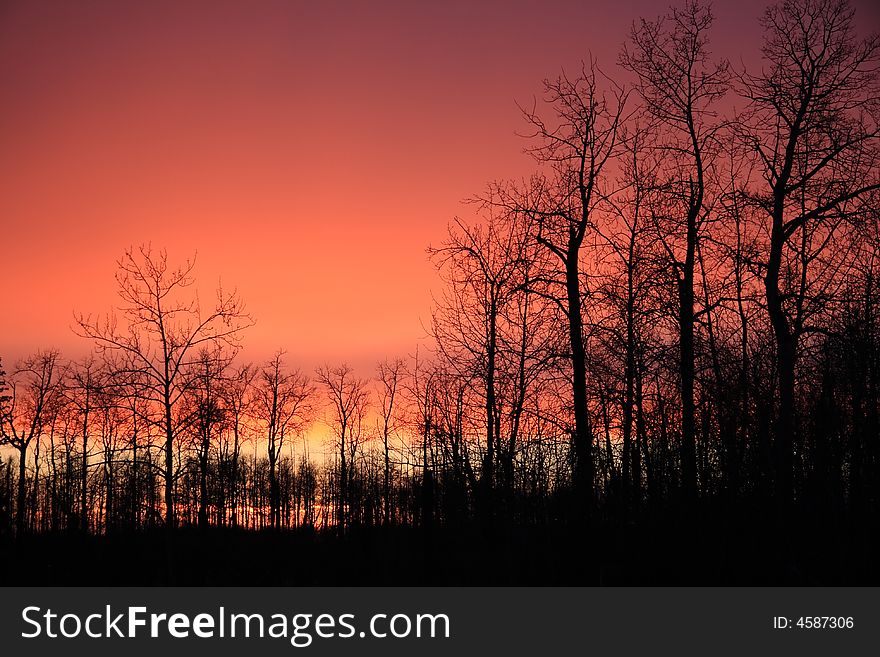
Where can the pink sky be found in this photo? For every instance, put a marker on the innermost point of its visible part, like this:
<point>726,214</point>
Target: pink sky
<point>308,151</point>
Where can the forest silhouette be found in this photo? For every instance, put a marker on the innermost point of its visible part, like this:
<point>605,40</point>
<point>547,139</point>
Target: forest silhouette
<point>656,360</point>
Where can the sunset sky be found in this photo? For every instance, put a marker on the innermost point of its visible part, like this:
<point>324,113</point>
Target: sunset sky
<point>309,152</point>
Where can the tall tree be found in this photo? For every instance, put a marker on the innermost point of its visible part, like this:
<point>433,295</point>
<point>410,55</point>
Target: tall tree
<point>480,264</point>
<point>680,85</point>
<point>630,274</point>
<point>812,122</point>
<point>161,333</point>
<point>573,146</point>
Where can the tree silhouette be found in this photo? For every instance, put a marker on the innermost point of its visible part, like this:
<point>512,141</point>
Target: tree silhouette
<point>283,406</point>
<point>28,410</point>
<point>389,375</point>
<point>161,335</point>
<point>349,399</point>
<point>812,125</point>
<point>575,145</point>
<point>680,88</point>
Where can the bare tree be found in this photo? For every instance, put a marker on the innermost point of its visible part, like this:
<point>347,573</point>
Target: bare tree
<point>35,394</point>
<point>680,85</point>
<point>238,399</point>
<point>576,144</point>
<point>629,276</point>
<point>283,404</point>
<point>161,334</point>
<point>205,414</point>
<point>813,125</point>
<point>84,386</point>
<point>480,265</point>
<point>389,375</point>
<point>349,398</point>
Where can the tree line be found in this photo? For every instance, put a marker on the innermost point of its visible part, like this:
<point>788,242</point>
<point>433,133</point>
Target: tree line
<point>677,310</point>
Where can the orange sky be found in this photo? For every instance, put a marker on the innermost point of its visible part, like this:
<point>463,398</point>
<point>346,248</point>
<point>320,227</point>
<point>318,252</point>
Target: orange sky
<point>308,151</point>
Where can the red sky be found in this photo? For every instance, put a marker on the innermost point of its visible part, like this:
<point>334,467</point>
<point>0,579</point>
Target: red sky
<point>308,151</point>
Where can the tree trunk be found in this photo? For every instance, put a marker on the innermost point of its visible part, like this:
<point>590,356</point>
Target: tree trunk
<point>170,516</point>
<point>583,454</point>
<point>386,480</point>
<point>686,371</point>
<point>785,363</point>
<point>22,491</point>
<point>203,487</point>
<point>343,477</point>
<point>274,495</point>
<point>488,474</point>
<point>83,510</point>
<point>630,455</point>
